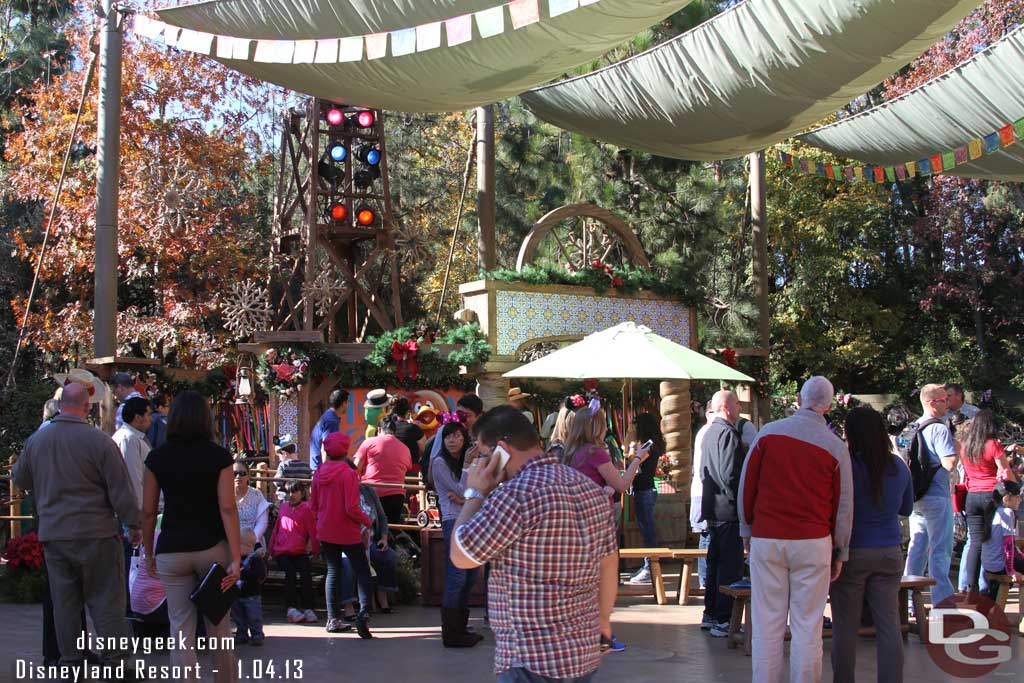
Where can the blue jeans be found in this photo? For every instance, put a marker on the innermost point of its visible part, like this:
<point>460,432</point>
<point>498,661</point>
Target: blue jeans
<point>386,565</point>
<point>702,563</point>
<point>247,613</point>
<point>457,582</point>
<point>931,539</point>
<point>644,502</point>
<point>356,555</point>
<point>521,675</point>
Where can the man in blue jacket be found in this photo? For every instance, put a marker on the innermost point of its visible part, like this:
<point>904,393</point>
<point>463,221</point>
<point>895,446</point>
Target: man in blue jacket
<point>328,423</point>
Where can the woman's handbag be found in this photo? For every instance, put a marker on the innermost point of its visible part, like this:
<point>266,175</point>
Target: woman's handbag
<point>959,497</point>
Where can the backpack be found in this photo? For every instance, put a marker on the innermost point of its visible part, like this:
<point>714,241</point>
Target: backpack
<point>915,454</point>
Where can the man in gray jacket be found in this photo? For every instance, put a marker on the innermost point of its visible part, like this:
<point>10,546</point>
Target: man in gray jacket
<point>83,495</point>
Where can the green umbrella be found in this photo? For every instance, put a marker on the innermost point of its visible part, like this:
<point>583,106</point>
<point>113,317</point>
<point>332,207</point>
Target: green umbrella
<point>628,351</point>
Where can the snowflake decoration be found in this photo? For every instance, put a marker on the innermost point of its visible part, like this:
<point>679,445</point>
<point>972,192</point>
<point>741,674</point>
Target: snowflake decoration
<point>411,243</point>
<point>325,289</point>
<point>245,308</point>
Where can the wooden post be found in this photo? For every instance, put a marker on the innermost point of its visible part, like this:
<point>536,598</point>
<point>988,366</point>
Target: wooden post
<point>311,238</point>
<point>758,224</point>
<point>675,426</point>
<point>485,194</point>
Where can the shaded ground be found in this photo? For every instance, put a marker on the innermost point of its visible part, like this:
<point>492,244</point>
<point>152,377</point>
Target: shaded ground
<point>665,644</point>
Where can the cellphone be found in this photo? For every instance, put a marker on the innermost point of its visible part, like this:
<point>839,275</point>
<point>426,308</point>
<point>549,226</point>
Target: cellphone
<point>646,445</point>
<point>501,453</point>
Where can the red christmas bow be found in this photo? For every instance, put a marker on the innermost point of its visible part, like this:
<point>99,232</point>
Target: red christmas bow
<point>729,356</point>
<point>404,355</point>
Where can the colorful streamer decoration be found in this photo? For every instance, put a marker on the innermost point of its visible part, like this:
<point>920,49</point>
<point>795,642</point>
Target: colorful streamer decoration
<point>493,21</point>
<point>1007,135</point>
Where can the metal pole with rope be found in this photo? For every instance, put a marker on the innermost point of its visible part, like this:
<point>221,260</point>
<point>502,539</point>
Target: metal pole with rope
<point>90,71</point>
<point>455,231</point>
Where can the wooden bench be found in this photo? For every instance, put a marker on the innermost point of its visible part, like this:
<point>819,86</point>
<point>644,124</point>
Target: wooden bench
<point>1005,582</point>
<point>655,555</point>
<point>741,612</point>
<point>689,558</point>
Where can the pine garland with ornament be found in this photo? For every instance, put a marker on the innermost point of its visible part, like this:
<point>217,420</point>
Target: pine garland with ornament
<point>600,277</point>
<point>282,370</point>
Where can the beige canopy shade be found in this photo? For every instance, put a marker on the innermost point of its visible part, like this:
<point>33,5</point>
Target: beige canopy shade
<point>982,95</point>
<point>444,78</point>
<point>749,77</point>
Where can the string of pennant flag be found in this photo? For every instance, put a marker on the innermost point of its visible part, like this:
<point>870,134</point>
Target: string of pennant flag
<point>457,30</point>
<point>932,165</point>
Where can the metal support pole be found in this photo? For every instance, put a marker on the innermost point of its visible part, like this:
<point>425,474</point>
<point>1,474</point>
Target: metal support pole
<point>758,223</point>
<point>108,166</point>
<point>488,253</point>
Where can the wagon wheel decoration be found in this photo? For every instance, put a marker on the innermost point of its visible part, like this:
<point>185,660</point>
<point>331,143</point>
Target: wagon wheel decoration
<point>571,237</point>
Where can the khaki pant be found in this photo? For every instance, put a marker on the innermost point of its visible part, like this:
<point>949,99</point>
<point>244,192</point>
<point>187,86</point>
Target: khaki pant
<point>180,573</point>
<point>89,572</point>
<point>788,577</point>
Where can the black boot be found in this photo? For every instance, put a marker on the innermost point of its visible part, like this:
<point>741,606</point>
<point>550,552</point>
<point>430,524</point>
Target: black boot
<point>464,622</point>
<point>452,629</point>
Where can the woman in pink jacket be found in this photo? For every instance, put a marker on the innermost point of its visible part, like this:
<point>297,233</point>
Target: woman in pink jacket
<point>290,542</point>
<point>339,528</point>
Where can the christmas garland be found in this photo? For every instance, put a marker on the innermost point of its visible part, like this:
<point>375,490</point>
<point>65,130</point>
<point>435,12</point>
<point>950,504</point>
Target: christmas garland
<point>282,370</point>
<point>405,358</point>
<point>600,277</point>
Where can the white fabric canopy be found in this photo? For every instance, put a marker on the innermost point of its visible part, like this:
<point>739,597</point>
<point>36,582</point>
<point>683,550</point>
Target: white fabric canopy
<point>977,98</point>
<point>749,77</point>
<point>444,78</point>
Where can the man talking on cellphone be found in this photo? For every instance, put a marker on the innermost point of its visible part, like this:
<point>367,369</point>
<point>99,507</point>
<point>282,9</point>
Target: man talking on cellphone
<point>549,535</point>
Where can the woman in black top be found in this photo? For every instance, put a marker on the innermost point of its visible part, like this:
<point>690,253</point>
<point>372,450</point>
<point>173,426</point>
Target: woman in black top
<point>200,524</point>
<point>645,495</point>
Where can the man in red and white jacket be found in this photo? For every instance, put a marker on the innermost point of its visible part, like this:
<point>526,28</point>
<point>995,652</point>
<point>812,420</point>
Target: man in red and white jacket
<point>796,512</point>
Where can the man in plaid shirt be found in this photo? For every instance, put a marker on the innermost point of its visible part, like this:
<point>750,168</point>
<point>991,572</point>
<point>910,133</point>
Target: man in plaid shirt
<point>549,535</point>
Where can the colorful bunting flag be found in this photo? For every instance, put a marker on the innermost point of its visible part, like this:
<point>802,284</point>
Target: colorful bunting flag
<point>305,52</point>
<point>804,165</point>
<point>171,34</point>
<point>991,142</point>
<point>428,36</point>
<point>148,28</point>
<point>879,174</point>
<point>349,49</point>
<point>901,171</point>
<point>376,45</point>
<point>819,169</point>
<point>911,168</point>
<point>403,42</point>
<point>1018,128</point>
<point>975,149</point>
<point>926,167</point>
<point>195,41</point>
<point>858,173</point>
<point>960,155</point>
<point>459,30</point>
<point>936,163</point>
<point>523,13</point>
<point>830,172</point>
<point>848,173</point>
<point>327,51</point>
<point>490,22</point>
<point>274,51</point>
<point>948,160</point>
<point>890,174</point>
<point>232,48</point>
<point>558,7</point>
<point>1006,135</point>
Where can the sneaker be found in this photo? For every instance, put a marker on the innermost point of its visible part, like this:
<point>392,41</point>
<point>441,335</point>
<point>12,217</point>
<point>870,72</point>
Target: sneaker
<point>256,641</point>
<point>309,616</point>
<point>294,616</point>
<point>337,626</point>
<point>363,628</point>
<point>706,623</point>
<point>611,645</point>
<point>642,576</point>
<point>719,631</point>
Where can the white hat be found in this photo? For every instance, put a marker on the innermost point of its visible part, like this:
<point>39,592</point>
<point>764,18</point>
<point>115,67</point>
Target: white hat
<point>96,388</point>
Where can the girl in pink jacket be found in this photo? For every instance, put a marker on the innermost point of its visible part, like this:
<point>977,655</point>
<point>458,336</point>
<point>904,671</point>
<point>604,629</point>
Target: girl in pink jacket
<point>293,536</point>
